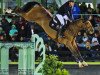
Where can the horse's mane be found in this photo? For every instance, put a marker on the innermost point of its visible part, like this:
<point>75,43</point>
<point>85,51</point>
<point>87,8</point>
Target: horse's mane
<point>27,7</point>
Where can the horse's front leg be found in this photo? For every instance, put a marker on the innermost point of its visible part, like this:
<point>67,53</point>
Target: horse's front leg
<point>80,57</point>
<point>75,54</point>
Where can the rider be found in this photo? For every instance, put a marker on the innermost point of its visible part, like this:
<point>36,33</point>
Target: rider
<point>64,15</point>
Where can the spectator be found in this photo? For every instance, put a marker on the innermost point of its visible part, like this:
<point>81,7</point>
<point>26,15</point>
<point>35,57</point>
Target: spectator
<point>2,34</point>
<point>83,8</point>
<point>13,54</point>
<point>97,20</point>
<point>6,27</point>
<point>95,45</point>
<point>88,45</point>
<point>85,38</point>
<point>28,30</point>
<point>79,38</point>
<point>21,22</point>
<point>13,32</point>
<point>98,8</point>
<point>95,40</point>
<point>22,33</point>
<point>14,22</point>
<point>89,9</point>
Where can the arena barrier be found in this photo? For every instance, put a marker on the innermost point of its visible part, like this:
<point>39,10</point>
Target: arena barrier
<point>26,56</point>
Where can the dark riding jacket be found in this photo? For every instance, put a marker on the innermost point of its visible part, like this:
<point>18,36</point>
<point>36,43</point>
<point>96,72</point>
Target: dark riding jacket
<point>65,9</point>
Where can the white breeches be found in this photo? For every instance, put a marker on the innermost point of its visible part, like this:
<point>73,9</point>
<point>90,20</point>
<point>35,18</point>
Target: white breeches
<point>62,18</point>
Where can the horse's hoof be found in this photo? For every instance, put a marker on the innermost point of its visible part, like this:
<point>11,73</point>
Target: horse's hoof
<point>84,63</point>
<point>80,65</point>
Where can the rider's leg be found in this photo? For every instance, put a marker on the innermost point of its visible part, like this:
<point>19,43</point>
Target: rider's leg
<point>66,18</point>
<point>62,23</point>
<point>61,19</point>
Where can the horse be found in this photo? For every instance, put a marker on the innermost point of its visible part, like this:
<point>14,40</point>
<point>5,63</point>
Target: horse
<point>43,17</point>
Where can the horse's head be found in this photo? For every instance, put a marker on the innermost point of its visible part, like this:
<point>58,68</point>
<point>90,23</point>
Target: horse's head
<point>33,11</point>
<point>88,26</point>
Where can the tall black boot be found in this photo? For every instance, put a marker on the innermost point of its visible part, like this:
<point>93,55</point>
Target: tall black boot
<point>60,32</point>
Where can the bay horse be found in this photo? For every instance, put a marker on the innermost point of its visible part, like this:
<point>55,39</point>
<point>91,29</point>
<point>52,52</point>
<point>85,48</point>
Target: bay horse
<point>34,11</point>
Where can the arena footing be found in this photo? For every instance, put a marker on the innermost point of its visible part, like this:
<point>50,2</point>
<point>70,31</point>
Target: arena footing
<point>90,70</point>
<point>73,69</point>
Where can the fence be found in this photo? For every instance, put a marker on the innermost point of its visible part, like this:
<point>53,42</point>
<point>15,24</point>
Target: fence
<point>26,56</point>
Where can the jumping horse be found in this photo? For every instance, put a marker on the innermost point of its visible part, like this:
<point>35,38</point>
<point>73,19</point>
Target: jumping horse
<point>34,11</point>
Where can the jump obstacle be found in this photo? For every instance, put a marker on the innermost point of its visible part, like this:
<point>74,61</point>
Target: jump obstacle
<point>26,56</point>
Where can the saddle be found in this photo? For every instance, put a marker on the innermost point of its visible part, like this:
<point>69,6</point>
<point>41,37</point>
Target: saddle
<point>55,24</point>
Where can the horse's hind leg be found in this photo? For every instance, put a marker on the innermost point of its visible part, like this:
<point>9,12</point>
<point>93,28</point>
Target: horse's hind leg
<point>79,55</point>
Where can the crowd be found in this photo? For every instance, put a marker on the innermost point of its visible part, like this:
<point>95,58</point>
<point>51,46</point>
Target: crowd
<point>15,29</point>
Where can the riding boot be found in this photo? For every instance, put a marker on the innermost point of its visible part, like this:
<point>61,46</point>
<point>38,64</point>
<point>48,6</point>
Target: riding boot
<point>60,32</point>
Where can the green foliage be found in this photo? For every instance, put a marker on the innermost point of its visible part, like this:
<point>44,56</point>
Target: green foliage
<point>58,72</point>
<point>65,72</point>
<point>53,67</point>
